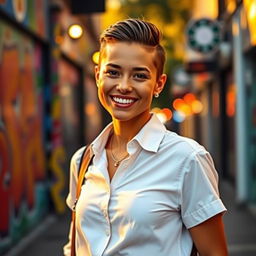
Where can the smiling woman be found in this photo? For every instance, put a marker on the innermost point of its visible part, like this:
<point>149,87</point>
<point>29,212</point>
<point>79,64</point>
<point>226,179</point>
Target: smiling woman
<point>127,80</point>
<point>147,190</point>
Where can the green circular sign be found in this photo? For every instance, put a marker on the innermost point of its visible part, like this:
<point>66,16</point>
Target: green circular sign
<point>204,35</point>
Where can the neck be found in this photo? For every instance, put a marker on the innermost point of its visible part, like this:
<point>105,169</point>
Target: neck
<point>124,131</point>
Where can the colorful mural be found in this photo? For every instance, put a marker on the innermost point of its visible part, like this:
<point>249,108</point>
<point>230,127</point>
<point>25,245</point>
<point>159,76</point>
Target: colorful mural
<point>65,120</point>
<point>58,158</point>
<point>23,190</point>
<point>31,13</point>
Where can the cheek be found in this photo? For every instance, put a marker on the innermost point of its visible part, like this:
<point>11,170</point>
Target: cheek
<point>147,92</point>
<point>102,94</point>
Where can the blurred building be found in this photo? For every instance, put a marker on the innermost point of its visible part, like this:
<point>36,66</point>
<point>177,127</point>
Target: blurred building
<point>48,101</point>
<point>238,80</point>
<point>223,79</point>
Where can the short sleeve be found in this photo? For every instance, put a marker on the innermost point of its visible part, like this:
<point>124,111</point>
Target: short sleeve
<point>74,164</point>
<point>199,193</point>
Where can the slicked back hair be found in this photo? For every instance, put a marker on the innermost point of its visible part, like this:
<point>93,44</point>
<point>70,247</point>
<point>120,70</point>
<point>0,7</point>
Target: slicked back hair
<point>136,31</point>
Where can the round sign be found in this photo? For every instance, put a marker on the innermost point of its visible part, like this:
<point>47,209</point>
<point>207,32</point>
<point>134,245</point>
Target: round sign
<point>204,35</point>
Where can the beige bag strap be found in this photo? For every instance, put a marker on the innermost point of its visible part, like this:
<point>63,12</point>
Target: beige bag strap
<point>84,163</point>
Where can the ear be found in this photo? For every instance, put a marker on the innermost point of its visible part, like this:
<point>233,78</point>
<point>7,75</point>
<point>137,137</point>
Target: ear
<point>160,84</point>
<point>97,74</point>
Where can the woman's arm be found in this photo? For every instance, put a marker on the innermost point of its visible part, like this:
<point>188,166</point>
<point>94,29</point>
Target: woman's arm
<point>67,246</point>
<point>209,237</point>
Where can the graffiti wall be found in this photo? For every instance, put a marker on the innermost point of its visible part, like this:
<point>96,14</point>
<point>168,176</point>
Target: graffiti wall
<point>23,189</point>
<point>30,13</point>
<point>58,160</point>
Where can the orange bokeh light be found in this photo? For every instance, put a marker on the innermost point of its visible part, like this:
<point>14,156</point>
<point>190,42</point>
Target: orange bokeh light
<point>90,109</point>
<point>177,103</point>
<point>168,113</point>
<point>231,103</point>
<point>197,106</point>
<point>189,98</point>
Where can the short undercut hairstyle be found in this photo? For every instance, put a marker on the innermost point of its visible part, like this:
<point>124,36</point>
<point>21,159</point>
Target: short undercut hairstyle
<point>136,31</point>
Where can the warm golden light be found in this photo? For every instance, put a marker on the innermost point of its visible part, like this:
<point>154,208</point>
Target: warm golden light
<point>75,31</point>
<point>197,106</point>
<point>95,57</point>
<point>252,11</point>
<point>90,109</point>
<point>231,6</point>
<point>189,98</point>
<point>163,115</point>
<point>250,7</point>
<point>186,109</point>
<point>231,103</point>
<point>113,4</point>
<point>177,103</point>
<point>155,110</point>
<point>168,113</point>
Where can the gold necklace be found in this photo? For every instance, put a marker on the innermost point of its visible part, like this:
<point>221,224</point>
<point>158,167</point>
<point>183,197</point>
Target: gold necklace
<point>116,161</point>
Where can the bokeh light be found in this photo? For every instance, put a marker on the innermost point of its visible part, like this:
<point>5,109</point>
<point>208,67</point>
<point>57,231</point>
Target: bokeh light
<point>189,98</point>
<point>197,106</point>
<point>95,57</point>
<point>75,31</point>
<point>178,116</point>
<point>168,113</point>
<point>177,103</point>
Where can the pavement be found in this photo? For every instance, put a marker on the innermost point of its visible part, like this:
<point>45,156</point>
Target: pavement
<point>240,225</point>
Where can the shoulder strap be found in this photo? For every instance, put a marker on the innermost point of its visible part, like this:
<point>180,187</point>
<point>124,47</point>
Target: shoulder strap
<point>81,160</point>
<point>86,159</point>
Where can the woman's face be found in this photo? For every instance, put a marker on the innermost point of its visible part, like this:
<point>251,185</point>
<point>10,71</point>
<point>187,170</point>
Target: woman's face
<point>127,80</point>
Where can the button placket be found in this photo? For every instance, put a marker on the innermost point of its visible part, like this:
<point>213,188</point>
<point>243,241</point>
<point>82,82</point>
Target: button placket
<point>105,203</point>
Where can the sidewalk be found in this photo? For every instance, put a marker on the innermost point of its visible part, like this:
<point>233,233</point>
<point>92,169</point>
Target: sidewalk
<point>240,227</point>
<point>47,240</point>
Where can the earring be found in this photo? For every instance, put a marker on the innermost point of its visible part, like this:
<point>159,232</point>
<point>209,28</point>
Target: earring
<point>156,95</point>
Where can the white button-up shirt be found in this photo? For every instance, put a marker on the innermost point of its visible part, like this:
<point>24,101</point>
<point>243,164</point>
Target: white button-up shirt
<point>166,186</point>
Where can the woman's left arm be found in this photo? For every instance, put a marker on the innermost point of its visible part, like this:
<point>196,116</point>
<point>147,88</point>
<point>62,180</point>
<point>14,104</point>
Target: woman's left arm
<point>209,237</point>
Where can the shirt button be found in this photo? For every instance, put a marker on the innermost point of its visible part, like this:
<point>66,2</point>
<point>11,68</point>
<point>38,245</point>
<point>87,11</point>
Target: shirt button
<point>107,232</point>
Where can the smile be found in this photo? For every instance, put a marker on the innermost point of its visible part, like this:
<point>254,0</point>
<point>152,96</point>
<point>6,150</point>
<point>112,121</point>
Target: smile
<point>123,101</point>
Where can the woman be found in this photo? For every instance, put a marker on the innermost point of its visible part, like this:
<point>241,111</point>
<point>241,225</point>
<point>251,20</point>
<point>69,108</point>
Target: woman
<point>148,191</point>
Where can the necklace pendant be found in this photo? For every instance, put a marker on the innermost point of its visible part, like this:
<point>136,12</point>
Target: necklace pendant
<point>116,164</point>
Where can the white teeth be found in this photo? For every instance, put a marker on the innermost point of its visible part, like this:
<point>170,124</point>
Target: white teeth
<point>123,101</point>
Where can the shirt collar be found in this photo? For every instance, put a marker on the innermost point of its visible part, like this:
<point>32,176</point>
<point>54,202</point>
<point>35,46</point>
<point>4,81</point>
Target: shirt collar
<point>151,134</point>
<point>149,137</point>
<point>99,143</point>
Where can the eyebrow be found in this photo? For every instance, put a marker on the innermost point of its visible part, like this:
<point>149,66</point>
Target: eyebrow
<point>135,69</point>
<point>113,65</point>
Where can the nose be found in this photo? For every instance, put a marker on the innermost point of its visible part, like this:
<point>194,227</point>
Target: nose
<point>124,85</point>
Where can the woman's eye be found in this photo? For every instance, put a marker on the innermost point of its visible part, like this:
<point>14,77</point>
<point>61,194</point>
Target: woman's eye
<point>112,73</point>
<point>141,76</point>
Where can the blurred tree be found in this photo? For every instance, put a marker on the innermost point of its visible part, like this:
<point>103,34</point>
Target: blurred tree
<point>170,16</point>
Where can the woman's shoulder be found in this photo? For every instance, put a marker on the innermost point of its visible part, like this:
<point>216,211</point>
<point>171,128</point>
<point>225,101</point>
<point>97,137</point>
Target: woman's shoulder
<point>76,157</point>
<point>181,144</point>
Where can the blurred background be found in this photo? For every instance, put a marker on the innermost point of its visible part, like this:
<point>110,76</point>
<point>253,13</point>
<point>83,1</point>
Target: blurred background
<point>49,105</point>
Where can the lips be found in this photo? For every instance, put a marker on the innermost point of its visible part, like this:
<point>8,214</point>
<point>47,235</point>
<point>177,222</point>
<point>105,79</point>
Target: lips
<point>122,101</point>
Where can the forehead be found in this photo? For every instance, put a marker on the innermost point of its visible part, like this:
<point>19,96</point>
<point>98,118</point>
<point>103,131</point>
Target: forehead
<point>128,54</point>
